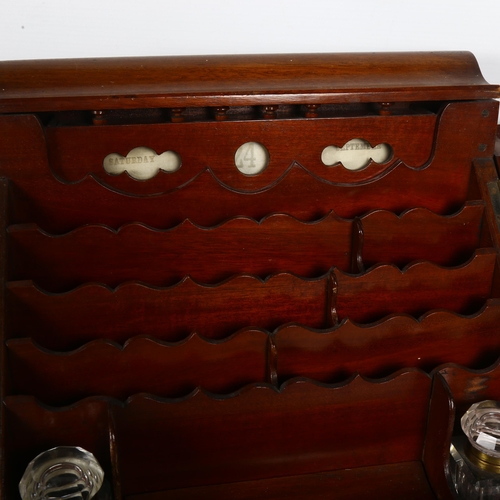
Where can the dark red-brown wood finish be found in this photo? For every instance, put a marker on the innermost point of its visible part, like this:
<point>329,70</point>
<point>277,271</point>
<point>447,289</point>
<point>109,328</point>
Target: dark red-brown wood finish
<point>171,82</point>
<point>209,331</point>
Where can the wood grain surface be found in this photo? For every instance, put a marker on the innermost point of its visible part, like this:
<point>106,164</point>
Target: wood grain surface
<point>243,80</point>
<point>301,332</point>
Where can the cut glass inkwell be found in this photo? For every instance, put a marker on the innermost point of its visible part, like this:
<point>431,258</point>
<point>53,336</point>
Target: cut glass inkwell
<point>65,472</point>
<point>475,457</point>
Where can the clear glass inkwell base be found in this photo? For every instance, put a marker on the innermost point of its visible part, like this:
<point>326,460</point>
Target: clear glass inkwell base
<point>65,472</point>
<point>475,457</point>
<point>471,482</point>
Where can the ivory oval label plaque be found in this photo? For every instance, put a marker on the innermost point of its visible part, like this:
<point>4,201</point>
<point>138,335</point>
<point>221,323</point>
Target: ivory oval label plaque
<point>356,154</point>
<point>142,163</point>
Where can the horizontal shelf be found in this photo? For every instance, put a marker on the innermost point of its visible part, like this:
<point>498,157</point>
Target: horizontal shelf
<point>381,482</point>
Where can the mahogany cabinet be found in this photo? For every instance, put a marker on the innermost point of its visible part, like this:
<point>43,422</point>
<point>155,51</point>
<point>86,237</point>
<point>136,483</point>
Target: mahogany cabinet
<point>247,277</point>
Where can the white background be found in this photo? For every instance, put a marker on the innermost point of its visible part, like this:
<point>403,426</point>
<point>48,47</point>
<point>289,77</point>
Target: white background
<point>34,29</point>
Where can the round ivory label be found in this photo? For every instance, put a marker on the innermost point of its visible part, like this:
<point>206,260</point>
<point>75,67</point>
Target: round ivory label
<point>251,158</point>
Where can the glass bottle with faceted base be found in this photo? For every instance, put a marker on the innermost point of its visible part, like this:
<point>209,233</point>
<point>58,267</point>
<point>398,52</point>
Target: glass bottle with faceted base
<point>65,472</point>
<point>475,457</point>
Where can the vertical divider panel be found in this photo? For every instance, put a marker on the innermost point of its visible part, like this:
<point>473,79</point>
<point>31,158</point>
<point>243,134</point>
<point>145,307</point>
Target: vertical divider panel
<point>4,187</point>
<point>358,239</point>
<point>114,455</point>
<point>438,438</point>
<point>271,360</point>
<point>332,289</point>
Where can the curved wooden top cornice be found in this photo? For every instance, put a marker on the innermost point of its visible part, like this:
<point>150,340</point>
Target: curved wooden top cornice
<point>233,80</point>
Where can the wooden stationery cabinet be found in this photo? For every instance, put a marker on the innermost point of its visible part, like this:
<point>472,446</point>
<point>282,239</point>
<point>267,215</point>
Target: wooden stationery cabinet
<point>247,277</point>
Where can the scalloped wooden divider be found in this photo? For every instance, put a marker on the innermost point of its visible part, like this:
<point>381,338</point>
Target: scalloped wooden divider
<point>173,370</point>
<point>71,159</point>
<point>169,314</point>
<point>448,241</point>
<point>224,440</point>
<point>176,369</point>
<point>238,246</point>
<point>391,344</point>
<point>422,286</point>
<point>441,186</point>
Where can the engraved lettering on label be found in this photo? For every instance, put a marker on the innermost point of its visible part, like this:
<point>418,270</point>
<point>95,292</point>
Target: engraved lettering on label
<point>251,158</point>
<point>142,163</point>
<point>356,154</point>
